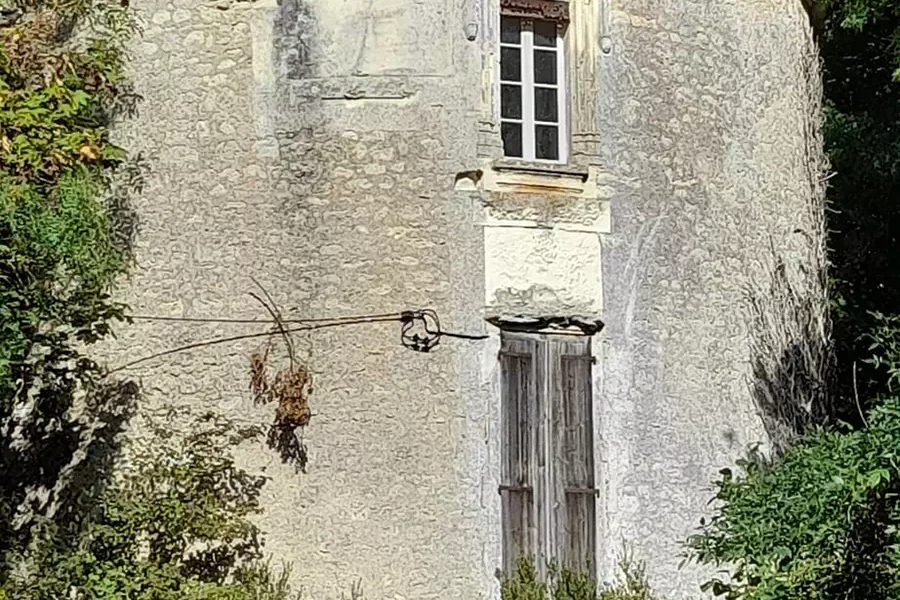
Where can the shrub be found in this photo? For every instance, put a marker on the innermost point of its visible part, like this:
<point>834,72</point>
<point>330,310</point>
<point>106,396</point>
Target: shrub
<point>61,84</point>
<point>820,523</point>
<point>565,584</point>
<point>175,525</point>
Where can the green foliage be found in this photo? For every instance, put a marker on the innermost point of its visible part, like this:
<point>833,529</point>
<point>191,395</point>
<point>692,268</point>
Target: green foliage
<point>885,340</point>
<point>816,526</point>
<point>176,525</point>
<point>49,129</point>
<point>57,262</point>
<point>632,584</point>
<point>822,522</point>
<point>861,55</point>
<point>565,584</point>
<point>865,16</point>
<point>61,83</point>
<point>61,80</point>
<point>857,14</point>
<point>523,584</point>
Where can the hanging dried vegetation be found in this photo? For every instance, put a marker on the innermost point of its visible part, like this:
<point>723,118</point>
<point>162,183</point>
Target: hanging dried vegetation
<point>289,390</point>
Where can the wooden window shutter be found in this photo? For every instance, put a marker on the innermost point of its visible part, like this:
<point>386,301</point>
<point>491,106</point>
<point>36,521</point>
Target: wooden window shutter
<point>573,433</point>
<point>547,487</point>
<point>518,359</point>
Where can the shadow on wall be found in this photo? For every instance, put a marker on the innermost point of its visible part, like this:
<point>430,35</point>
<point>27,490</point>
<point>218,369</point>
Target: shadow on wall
<point>791,355</point>
<point>293,32</point>
<point>110,405</point>
<point>127,183</point>
<point>41,480</point>
<point>108,411</point>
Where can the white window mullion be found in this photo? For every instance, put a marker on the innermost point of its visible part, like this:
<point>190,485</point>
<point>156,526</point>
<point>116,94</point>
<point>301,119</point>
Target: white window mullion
<point>562,99</point>
<point>528,92</point>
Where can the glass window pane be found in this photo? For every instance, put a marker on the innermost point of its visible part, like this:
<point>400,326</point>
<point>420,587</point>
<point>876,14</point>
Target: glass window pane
<point>544,66</point>
<point>511,101</point>
<point>510,64</point>
<point>546,142</point>
<point>510,30</point>
<point>512,139</point>
<point>545,33</point>
<point>545,108</point>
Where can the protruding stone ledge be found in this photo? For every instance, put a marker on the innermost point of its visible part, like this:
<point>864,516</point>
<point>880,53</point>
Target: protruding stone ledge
<point>573,324</point>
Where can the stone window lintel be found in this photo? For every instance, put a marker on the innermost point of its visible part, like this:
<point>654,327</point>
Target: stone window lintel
<point>551,10</point>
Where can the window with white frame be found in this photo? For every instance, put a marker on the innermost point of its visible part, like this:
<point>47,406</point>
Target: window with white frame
<point>533,89</point>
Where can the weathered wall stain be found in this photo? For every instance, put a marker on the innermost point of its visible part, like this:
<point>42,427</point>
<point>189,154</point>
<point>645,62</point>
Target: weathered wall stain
<point>294,32</point>
<point>280,149</point>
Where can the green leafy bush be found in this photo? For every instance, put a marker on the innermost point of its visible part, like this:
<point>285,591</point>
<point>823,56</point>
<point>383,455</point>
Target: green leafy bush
<point>565,584</point>
<point>175,525</point>
<point>57,261</point>
<point>61,84</point>
<point>822,522</point>
<point>884,338</point>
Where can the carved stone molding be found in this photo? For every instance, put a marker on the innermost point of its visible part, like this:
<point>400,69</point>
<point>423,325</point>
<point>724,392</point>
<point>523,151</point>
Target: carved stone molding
<point>551,10</point>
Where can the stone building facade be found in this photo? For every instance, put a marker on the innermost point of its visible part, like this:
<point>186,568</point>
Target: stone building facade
<point>349,155</point>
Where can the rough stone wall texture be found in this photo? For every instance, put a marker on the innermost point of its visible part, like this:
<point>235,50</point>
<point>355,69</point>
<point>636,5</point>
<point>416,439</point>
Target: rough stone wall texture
<point>704,126</point>
<point>338,207</point>
<point>314,145</point>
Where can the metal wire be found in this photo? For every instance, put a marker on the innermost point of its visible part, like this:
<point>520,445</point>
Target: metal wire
<point>414,341</point>
<point>249,336</point>
<point>250,321</point>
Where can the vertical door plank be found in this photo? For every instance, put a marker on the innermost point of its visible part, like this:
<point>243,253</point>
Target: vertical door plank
<point>518,377</point>
<point>555,497</point>
<point>578,461</point>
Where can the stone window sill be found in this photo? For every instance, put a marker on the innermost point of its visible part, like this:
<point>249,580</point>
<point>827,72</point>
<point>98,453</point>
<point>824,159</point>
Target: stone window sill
<point>541,168</point>
<point>523,177</point>
<point>540,195</point>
